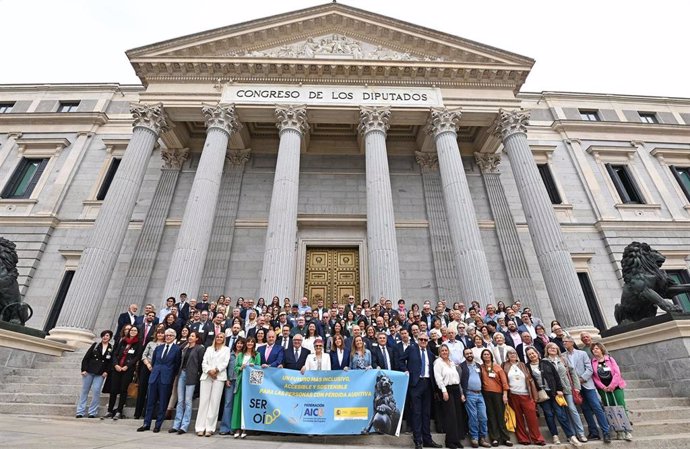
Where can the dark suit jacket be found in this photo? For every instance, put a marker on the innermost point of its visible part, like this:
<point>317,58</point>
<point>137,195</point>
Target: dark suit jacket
<point>521,353</point>
<point>378,359</point>
<point>279,341</point>
<point>539,345</point>
<point>164,370</point>
<point>139,320</point>
<point>122,321</point>
<point>150,336</point>
<point>183,311</point>
<point>400,352</point>
<point>276,356</point>
<point>200,306</point>
<point>412,363</point>
<point>210,333</point>
<point>291,363</point>
<point>334,359</point>
<point>95,361</point>
<point>509,339</point>
<point>195,356</point>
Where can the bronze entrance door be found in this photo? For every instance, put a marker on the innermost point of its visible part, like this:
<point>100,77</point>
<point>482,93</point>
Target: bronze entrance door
<point>331,274</point>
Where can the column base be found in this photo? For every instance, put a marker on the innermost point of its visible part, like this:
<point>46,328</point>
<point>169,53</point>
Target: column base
<point>576,331</point>
<point>72,336</point>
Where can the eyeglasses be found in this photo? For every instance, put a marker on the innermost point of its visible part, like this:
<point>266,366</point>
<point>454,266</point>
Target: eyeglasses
<point>423,339</point>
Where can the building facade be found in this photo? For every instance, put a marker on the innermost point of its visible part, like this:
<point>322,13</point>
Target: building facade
<point>332,151</point>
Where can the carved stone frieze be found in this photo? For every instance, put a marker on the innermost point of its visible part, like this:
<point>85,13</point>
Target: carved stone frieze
<point>443,120</point>
<point>292,117</point>
<point>238,157</point>
<point>428,161</point>
<point>375,118</point>
<point>223,117</point>
<point>149,116</point>
<point>174,158</point>
<point>511,122</point>
<point>488,162</point>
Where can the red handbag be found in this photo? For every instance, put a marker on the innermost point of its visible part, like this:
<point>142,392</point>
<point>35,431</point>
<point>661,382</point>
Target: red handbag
<point>577,397</point>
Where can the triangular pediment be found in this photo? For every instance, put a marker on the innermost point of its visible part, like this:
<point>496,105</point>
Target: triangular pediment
<point>332,34</point>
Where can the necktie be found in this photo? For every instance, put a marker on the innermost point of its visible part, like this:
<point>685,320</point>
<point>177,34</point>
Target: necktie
<point>422,354</point>
<point>268,351</point>
<point>285,343</point>
<point>232,342</point>
<point>296,355</point>
<point>385,355</point>
<point>146,333</point>
<point>165,352</point>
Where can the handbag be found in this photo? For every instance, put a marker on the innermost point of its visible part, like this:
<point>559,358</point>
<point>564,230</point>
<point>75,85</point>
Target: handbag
<point>133,390</point>
<point>560,400</point>
<point>577,397</point>
<point>542,396</point>
<point>616,415</point>
<point>510,419</point>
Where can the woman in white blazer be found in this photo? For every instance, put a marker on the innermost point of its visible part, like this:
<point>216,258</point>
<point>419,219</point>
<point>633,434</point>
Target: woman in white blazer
<point>213,377</point>
<point>318,360</point>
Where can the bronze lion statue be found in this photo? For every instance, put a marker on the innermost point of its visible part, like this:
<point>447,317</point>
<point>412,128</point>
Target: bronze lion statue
<point>12,309</point>
<point>647,287</point>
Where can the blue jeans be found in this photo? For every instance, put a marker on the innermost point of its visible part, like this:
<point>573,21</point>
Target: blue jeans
<point>476,411</point>
<point>591,407</point>
<point>185,397</point>
<point>227,407</point>
<point>575,419</point>
<point>553,411</point>
<point>92,382</point>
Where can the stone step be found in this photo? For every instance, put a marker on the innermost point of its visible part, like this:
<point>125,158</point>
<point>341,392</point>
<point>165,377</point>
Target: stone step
<point>640,383</point>
<point>39,388</point>
<point>75,379</point>
<point>655,403</point>
<point>11,408</point>
<point>659,414</point>
<point>49,372</point>
<point>59,363</point>
<point>43,398</point>
<point>657,392</point>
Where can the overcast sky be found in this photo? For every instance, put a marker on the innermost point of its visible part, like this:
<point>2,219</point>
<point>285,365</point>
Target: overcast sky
<point>607,46</point>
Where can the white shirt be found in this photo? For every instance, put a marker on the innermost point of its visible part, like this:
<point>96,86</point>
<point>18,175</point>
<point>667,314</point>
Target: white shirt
<point>445,375</point>
<point>456,351</point>
<point>387,357</point>
<point>340,354</point>
<point>425,361</point>
<point>516,380</point>
<point>313,364</point>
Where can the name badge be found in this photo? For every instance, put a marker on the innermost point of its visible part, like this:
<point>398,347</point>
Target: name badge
<point>201,331</point>
<point>607,369</point>
<point>479,370</point>
<point>107,357</point>
<point>211,333</point>
<point>492,375</point>
<point>131,351</point>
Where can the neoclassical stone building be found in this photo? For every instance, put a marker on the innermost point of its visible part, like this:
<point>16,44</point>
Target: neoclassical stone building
<point>332,151</point>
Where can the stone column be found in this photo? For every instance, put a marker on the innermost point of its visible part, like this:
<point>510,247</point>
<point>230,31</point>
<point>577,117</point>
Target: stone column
<point>218,257</point>
<point>382,246</point>
<point>470,259</point>
<point>521,284</point>
<point>280,255</point>
<point>97,263</point>
<point>567,299</point>
<point>146,250</point>
<point>189,255</point>
<point>441,245</point>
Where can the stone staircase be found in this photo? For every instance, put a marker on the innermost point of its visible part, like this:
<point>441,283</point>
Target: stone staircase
<point>51,388</point>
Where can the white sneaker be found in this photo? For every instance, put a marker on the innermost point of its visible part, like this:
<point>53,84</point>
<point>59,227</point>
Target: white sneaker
<point>237,434</point>
<point>582,438</point>
<point>574,441</point>
<point>628,436</point>
<point>556,440</point>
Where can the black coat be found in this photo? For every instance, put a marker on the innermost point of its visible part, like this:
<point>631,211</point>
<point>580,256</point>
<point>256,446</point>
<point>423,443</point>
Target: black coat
<point>551,381</point>
<point>95,361</point>
<point>192,358</point>
<point>378,359</point>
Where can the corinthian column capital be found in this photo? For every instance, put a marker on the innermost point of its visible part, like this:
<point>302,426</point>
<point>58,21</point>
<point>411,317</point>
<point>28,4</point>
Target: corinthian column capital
<point>292,117</point>
<point>149,116</point>
<point>428,161</point>
<point>238,157</point>
<point>488,162</point>
<point>221,117</point>
<point>511,122</point>
<point>374,119</point>
<point>173,158</point>
<point>443,120</point>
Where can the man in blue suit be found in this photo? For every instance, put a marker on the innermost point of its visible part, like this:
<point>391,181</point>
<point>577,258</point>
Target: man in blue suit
<point>418,363</point>
<point>166,362</point>
<point>295,357</point>
<point>272,354</point>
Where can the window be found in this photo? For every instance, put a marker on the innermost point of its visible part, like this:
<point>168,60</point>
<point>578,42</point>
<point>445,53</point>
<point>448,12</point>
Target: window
<point>682,175</point>
<point>681,277</point>
<point>68,106</point>
<point>591,300</point>
<point>114,164</point>
<point>24,178</point>
<point>549,183</point>
<point>648,117</point>
<point>6,108</point>
<point>625,184</point>
<point>59,300</point>
<point>590,115</point>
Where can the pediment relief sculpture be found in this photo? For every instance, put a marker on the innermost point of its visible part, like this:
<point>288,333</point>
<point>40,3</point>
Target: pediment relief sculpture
<point>332,46</point>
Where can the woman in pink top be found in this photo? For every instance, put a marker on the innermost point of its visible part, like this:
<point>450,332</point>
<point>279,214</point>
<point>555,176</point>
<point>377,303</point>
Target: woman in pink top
<point>607,377</point>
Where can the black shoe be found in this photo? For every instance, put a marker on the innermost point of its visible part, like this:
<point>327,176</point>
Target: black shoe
<point>508,443</point>
<point>417,446</point>
<point>494,443</point>
<point>181,432</point>
<point>79,416</point>
<point>108,415</point>
<point>92,416</point>
<point>156,429</point>
<point>173,430</point>
<point>137,416</point>
<point>593,437</point>
<point>143,428</point>
<point>607,439</point>
<point>432,443</point>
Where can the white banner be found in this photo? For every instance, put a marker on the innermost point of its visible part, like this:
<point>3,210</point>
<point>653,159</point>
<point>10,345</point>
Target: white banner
<point>422,97</point>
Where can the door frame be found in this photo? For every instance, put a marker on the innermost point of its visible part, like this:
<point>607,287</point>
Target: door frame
<point>331,238</point>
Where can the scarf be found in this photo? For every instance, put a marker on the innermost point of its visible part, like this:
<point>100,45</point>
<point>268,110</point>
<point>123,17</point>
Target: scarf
<point>129,342</point>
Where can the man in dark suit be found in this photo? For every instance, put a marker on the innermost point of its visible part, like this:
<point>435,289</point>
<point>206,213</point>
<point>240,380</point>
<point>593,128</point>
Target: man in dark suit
<point>526,342</point>
<point>125,318</point>
<point>272,354</point>
<point>183,308</point>
<point>211,328</point>
<point>382,355</point>
<point>232,336</point>
<point>285,340</point>
<point>418,362</point>
<point>166,362</point>
<point>147,309</point>
<point>295,357</point>
<point>147,329</point>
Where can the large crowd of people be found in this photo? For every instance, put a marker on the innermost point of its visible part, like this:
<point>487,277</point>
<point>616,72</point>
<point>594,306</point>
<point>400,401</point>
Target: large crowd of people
<point>465,363</point>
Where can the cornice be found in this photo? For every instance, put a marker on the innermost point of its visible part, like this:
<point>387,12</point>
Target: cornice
<point>630,127</point>
<point>52,118</point>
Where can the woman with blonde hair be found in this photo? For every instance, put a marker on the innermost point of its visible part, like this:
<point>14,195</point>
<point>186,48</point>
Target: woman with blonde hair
<point>213,377</point>
<point>571,384</point>
<point>522,398</point>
